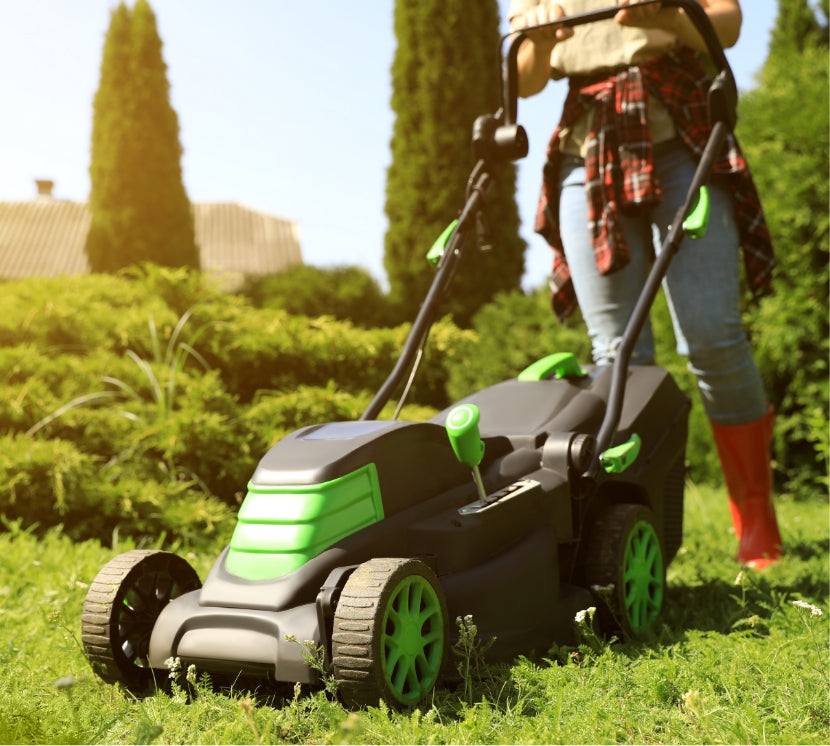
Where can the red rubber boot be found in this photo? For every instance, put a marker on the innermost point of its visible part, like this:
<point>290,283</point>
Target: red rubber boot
<point>745,459</point>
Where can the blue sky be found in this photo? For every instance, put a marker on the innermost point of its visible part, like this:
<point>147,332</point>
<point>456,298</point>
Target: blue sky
<point>283,107</point>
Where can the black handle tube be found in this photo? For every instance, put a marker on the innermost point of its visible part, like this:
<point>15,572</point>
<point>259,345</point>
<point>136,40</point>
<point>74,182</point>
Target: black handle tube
<point>692,9</point>
<point>651,287</point>
<point>426,314</point>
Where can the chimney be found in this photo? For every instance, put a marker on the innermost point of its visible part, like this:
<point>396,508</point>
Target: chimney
<point>44,188</point>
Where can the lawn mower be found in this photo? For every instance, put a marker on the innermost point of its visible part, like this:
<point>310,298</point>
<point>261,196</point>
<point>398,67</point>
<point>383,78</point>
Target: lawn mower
<point>359,544</point>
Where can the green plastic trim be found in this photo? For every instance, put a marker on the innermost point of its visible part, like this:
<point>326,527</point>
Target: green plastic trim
<point>643,577</point>
<point>697,221</point>
<point>558,365</point>
<point>617,459</point>
<point>440,246</point>
<point>280,528</point>
<point>412,640</point>
<point>462,428</point>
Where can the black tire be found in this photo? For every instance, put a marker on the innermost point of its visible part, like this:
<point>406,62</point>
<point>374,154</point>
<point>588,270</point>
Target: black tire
<point>624,567</point>
<point>390,633</point>
<point>121,608</point>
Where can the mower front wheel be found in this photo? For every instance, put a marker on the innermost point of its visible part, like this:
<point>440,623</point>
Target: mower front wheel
<point>121,608</point>
<point>390,633</point>
<point>625,569</point>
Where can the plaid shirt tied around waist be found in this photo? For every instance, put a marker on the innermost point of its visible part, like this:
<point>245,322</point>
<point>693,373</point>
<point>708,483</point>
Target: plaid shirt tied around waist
<point>619,166</point>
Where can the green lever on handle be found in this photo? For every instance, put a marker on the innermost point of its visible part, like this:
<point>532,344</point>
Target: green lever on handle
<point>462,429</point>
<point>697,222</point>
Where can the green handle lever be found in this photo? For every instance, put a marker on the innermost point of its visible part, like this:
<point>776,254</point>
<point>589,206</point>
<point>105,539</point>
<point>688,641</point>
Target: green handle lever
<point>697,221</point>
<point>617,459</point>
<point>439,248</point>
<point>462,429</point>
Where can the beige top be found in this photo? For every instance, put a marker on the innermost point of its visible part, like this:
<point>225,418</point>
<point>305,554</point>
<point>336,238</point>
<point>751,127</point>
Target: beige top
<point>604,44</point>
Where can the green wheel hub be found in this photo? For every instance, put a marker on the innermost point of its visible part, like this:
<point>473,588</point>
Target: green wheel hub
<point>412,640</point>
<point>624,564</point>
<point>642,574</point>
<point>389,633</point>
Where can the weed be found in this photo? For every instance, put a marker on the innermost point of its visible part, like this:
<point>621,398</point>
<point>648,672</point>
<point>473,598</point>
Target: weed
<point>809,614</point>
<point>315,658</point>
<point>471,650</point>
<point>590,641</point>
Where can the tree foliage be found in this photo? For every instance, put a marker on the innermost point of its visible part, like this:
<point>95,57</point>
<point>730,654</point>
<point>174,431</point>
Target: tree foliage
<point>784,129</point>
<point>797,28</point>
<point>445,74</point>
<point>140,210</point>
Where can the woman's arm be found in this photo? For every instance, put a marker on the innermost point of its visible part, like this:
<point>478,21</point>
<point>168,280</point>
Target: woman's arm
<point>725,15</point>
<point>534,54</point>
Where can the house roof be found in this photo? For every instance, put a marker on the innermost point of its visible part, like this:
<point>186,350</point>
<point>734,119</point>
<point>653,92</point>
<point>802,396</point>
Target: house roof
<point>233,238</point>
<point>45,237</point>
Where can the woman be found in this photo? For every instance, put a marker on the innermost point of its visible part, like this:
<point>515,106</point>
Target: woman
<point>619,165</point>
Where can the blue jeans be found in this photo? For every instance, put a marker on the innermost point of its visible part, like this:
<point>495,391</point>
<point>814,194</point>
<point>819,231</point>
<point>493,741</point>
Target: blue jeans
<point>701,286</point>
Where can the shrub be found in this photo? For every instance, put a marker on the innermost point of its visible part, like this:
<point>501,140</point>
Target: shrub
<point>347,293</point>
<point>77,314</point>
<point>47,483</point>
<point>511,333</point>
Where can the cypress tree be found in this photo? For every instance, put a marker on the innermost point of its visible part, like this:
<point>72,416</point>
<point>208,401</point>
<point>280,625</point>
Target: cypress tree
<point>797,28</point>
<point>445,73</point>
<point>140,210</point>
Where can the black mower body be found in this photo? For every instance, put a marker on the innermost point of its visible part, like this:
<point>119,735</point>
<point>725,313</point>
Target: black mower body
<point>513,562</point>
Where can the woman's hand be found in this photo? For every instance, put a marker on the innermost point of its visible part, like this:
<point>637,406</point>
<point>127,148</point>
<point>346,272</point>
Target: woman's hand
<point>652,15</point>
<point>544,13</point>
<point>534,53</point>
<point>725,16</point>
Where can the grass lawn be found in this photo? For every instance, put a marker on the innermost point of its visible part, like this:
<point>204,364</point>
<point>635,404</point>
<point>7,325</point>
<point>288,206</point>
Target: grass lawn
<point>739,657</point>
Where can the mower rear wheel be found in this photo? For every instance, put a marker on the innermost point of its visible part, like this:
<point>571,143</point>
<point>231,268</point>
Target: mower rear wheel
<point>625,569</point>
<point>121,608</point>
<point>390,633</point>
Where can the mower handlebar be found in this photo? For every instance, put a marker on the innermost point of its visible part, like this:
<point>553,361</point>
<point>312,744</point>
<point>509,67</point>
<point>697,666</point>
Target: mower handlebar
<point>723,94</point>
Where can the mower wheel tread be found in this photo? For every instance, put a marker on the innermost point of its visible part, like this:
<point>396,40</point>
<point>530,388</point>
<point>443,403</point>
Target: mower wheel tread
<point>115,626</point>
<point>625,570</point>
<point>389,633</point>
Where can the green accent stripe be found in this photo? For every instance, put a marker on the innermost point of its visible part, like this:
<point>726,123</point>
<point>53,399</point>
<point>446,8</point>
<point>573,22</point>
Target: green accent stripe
<point>280,528</point>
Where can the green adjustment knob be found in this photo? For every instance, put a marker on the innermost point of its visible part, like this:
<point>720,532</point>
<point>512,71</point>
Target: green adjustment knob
<point>617,459</point>
<point>462,429</point>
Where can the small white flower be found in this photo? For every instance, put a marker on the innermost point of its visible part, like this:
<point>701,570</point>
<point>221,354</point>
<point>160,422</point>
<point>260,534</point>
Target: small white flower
<point>814,610</point>
<point>588,614</point>
<point>173,664</point>
<point>191,674</point>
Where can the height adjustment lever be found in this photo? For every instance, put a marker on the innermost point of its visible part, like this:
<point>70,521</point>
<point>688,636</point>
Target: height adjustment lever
<point>462,428</point>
